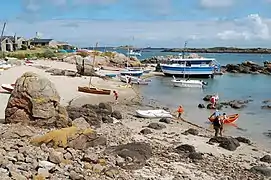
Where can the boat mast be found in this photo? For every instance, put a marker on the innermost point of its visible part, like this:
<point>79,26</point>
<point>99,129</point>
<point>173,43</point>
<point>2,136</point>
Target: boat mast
<point>185,44</point>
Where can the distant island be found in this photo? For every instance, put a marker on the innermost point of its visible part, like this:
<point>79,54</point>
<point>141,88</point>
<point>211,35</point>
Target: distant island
<point>221,50</point>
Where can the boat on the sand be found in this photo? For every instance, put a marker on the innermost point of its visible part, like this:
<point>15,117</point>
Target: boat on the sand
<point>158,113</point>
<point>230,118</point>
<point>94,90</point>
<point>8,87</point>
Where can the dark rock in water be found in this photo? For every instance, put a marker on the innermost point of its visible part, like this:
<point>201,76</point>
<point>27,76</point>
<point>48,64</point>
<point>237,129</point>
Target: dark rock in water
<point>192,131</point>
<point>236,105</point>
<point>134,155</point>
<point>217,106</point>
<point>266,158</point>
<point>201,106</point>
<point>165,120</point>
<point>263,170</point>
<point>156,126</point>
<point>268,133</point>
<point>146,131</point>
<point>243,140</point>
<point>228,143</point>
<point>266,107</point>
<point>116,114</point>
<point>207,98</point>
<point>266,101</point>
<point>195,156</point>
<point>185,148</point>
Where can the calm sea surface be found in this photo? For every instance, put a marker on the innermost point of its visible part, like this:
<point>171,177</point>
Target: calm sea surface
<point>253,119</point>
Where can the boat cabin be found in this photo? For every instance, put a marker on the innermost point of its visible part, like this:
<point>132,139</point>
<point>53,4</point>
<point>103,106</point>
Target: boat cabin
<point>194,62</point>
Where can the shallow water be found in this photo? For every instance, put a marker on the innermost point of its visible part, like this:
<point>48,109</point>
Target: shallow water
<point>253,119</point>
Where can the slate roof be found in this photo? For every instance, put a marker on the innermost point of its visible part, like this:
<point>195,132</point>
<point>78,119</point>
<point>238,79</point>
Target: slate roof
<point>36,40</point>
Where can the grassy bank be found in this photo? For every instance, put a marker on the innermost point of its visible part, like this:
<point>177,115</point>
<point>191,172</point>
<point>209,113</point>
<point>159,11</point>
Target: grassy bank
<point>33,53</point>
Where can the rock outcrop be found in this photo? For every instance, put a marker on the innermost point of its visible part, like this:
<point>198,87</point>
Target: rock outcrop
<point>248,67</point>
<point>35,101</point>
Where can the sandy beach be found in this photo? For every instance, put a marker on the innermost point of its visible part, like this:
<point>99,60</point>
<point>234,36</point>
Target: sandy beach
<point>165,163</point>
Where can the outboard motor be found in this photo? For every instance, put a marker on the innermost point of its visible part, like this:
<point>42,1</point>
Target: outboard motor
<point>205,83</point>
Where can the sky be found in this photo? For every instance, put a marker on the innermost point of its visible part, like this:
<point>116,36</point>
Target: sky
<point>141,23</point>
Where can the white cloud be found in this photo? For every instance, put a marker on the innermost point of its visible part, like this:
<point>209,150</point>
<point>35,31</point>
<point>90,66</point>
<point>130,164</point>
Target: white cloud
<point>252,27</point>
<point>239,32</point>
<point>216,3</point>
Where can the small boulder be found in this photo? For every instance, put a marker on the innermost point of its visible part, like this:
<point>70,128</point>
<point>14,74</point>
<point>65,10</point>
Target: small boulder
<point>207,98</point>
<point>107,119</point>
<point>266,158</point>
<point>56,157</point>
<point>106,106</point>
<point>230,144</point>
<point>185,148</point>
<point>135,155</point>
<point>145,131</point>
<point>201,106</point>
<point>116,114</point>
<point>195,156</point>
<point>156,126</point>
<point>191,131</point>
<point>81,123</point>
<point>165,120</point>
<point>243,140</point>
<point>217,106</point>
<point>263,170</point>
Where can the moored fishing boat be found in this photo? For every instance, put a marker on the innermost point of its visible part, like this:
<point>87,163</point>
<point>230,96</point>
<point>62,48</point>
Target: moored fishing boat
<point>196,67</point>
<point>158,113</point>
<point>230,118</point>
<point>188,83</point>
<point>134,80</point>
<point>132,73</point>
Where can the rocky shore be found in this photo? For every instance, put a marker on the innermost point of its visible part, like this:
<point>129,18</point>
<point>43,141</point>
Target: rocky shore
<point>51,131</point>
<point>249,67</point>
<point>221,50</point>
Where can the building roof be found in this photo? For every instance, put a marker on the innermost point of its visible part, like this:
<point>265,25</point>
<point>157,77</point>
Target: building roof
<point>37,40</point>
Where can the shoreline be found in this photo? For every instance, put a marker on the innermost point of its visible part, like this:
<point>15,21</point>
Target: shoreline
<point>165,162</point>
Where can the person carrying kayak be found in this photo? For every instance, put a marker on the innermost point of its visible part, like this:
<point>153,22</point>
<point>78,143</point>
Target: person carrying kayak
<point>218,122</point>
<point>180,111</point>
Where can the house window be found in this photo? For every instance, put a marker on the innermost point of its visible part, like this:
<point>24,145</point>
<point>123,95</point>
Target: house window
<point>6,40</point>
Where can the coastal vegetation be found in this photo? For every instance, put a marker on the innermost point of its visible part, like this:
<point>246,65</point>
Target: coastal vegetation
<point>44,52</point>
<point>221,50</point>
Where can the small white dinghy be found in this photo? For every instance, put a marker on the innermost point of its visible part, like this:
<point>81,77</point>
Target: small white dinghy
<point>8,87</point>
<point>159,113</point>
<point>134,80</point>
<point>187,83</point>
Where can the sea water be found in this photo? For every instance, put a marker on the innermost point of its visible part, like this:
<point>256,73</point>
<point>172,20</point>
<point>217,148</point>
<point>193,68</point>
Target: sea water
<point>253,120</point>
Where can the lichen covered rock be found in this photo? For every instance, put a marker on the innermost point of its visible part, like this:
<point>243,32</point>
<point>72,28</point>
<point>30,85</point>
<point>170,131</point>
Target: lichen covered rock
<point>35,101</point>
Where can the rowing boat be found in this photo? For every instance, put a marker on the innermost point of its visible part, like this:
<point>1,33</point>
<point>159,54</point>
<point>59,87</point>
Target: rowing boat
<point>8,87</point>
<point>230,118</point>
<point>94,90</point>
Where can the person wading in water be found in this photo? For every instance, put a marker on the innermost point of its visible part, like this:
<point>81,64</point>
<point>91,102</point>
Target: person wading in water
<point>218,123</point>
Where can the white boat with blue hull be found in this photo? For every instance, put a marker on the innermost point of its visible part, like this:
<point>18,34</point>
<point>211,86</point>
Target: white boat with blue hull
<point>193,67</point>
<point>132,73</point>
